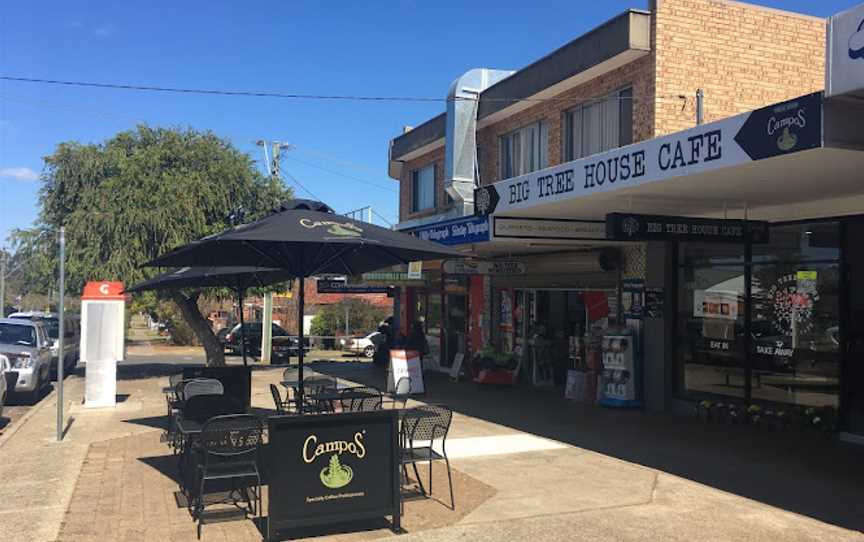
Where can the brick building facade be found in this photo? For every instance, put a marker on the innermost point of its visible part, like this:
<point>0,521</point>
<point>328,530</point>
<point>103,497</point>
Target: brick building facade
<point>741,55</point>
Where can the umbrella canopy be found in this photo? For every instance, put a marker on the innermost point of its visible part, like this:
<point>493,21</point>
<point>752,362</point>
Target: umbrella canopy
<point>306,241</point>
<point>238,278</point>
<point>306,238</point>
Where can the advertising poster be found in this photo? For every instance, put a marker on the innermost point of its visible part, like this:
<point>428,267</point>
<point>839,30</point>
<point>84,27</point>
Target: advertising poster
<point>332,467</point>
<point>619,379</point>
<point>405,363</point>
<point>633,298</point>
<point>715,304</point>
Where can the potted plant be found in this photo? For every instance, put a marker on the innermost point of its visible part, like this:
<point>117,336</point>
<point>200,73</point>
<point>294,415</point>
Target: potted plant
<point>490,366</point>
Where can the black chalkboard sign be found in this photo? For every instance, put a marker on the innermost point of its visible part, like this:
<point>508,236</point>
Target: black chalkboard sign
<point>331,468</point>
<point>236,381</point>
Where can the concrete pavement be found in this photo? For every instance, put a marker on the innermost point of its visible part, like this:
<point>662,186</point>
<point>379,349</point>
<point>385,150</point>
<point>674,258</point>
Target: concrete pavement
<point>111,478</point>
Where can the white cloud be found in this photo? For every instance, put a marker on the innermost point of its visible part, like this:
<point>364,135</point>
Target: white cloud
<point>19,174</point>
<point>104,30</point>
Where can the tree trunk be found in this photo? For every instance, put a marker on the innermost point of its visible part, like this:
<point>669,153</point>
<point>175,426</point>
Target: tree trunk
<point>201,327</point>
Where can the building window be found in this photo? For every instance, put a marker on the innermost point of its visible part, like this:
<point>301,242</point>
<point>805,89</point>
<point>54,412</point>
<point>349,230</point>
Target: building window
<point>794,332</point>
<point>599,125</point>
<point>423,189</point>
<point>524,150</point>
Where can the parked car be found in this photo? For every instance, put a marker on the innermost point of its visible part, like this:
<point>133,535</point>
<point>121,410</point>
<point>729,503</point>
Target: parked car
<point>27,346</point>
<point>284,346</point>
<point>4,385</point>
<point>71,333</point>
<point>361,345</point>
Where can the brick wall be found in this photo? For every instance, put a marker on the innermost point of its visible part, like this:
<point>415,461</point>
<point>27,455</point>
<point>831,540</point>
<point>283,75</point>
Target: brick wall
<point>742,56</point>
<point>637,74</point>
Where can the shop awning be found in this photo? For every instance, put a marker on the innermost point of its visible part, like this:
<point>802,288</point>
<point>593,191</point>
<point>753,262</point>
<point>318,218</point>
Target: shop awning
<point>795,160</point>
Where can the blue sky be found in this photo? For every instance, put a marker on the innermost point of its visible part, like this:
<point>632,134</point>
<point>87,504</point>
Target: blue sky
<point>401,48</point>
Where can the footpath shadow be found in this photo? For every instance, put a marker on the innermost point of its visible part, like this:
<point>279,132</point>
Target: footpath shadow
<point>806,473</point>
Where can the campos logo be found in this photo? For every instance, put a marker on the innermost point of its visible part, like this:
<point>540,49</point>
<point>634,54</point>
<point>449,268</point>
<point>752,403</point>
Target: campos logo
<point>340,229</point>
<point>856,43</point>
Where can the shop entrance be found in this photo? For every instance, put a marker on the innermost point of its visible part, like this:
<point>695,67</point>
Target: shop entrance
<point>455,327</point>
<point>551,328</point>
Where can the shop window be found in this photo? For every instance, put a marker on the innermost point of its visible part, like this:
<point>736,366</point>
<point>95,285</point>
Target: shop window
<point>711,325</point>
<point>524,150</point>
<point>423,189</point>
<point>599,125</point>
<point>794,334</point>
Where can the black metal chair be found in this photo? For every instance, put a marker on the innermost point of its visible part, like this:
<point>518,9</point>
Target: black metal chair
<point>427,423</point>
<point>230,450</point>
<point>313,387</point>
<point>282,405</point>
<point>361,399</point>
<point>399,398</point>
<point>201,386</point>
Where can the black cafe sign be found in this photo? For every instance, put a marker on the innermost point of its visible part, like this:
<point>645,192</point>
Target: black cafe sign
<point>636,227</point>
<point>327,469</point>
<point>326,286</point>
<point>783,128</point>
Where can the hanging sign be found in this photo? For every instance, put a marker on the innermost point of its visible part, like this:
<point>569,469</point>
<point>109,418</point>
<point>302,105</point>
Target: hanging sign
<point>480,267</point>
<point>341,287</point>
<point>506,227</point>
<point>783,128</point>
<point>415,270</point>
<point>338,467</point>
<point>845,53</point>
<point>458,232</point>
<point>634,227</point>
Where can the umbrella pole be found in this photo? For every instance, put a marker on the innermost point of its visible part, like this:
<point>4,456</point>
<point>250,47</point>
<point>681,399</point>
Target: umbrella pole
<point>301,301</point>
<point>242,327</point>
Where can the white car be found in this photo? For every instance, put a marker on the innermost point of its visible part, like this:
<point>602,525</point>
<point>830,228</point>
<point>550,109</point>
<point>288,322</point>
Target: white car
<point>362,345</point>
<point>5,368</point>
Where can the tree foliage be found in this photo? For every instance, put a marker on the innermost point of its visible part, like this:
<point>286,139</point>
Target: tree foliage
<point>134,197</point>
<point>363,318</point>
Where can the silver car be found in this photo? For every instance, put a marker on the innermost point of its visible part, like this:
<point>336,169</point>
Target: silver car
<point>28,348</point>
<point>71,332</point>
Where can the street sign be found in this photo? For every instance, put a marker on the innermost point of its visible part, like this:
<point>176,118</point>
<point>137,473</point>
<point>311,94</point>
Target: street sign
<point>327,469</point>
<point>635,227</point>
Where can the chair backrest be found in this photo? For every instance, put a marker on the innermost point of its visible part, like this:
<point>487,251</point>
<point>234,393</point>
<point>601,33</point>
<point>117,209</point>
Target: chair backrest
<point>277,398</point>
<point>174,379</point>
<point>360,399</point>
<point>427,422</point>
<point>291,373</point>
<point>232,435</point>
<point>202,386</point>
<point>204,407</point>
<point>312,384</point>
<point>403,387</point>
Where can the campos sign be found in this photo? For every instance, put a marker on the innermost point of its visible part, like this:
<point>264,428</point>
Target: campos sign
<point>326,469</point>
<point>783,128</point>
<point>845,62</point>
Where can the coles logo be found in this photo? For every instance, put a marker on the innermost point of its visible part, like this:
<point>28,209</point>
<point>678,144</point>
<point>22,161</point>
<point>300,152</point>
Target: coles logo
<point>856,43</point>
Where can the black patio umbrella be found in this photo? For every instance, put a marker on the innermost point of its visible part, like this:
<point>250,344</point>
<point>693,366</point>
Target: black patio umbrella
<point>238,278</point>
<point>306,238</point>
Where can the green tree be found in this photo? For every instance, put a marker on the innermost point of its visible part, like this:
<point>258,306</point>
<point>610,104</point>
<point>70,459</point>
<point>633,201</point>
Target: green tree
<point>363,317</point>
<point>134,197</point>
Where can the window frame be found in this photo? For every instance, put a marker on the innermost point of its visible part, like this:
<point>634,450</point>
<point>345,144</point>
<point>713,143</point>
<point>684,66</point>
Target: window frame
<point>511,152</point>
<point>415,192</point>
<point>624,126</point>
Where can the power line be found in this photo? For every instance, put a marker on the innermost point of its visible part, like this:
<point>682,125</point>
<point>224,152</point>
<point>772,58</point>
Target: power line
<point>352,177</point>
<point>297,96</point>
<point>302,186</point>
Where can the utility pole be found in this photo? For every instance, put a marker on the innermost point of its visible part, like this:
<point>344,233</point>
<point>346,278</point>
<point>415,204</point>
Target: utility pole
<point>60,332</point>
<point>273,165</point>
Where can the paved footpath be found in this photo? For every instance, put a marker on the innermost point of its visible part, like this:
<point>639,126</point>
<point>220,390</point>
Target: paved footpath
<point>107,481</point>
